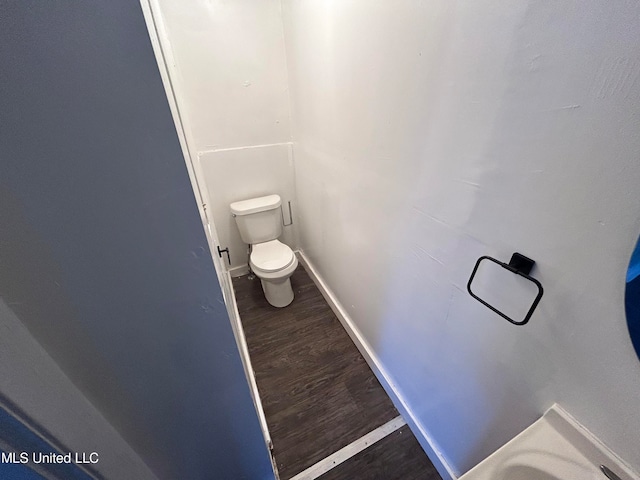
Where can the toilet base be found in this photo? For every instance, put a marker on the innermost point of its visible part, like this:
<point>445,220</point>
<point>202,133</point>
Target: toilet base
<point>278,292</point>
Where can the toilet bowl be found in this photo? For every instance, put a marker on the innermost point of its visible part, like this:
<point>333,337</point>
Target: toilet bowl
<point>259,222</point>
<point>273,263</point>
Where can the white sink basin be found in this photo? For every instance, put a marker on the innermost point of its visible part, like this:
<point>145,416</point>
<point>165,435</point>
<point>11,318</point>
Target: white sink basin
<point>556,447</point>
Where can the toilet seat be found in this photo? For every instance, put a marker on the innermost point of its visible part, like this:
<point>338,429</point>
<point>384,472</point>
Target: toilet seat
<point>270,257</point>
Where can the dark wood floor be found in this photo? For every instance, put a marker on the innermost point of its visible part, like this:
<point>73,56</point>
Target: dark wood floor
<point>317,391</point>
<point>396,457</point>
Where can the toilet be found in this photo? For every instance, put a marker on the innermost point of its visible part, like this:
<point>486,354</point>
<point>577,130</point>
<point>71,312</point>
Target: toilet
<point>259,221</point>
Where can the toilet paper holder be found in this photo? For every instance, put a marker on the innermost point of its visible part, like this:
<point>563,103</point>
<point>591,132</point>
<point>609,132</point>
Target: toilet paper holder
<point>520,265</point>
<point>285,224</point>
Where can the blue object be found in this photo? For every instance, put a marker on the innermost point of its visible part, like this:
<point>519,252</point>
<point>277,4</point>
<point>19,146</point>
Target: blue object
<point>634,264</point>
<point>20,438</point>
<point>632,298</point>
<point>16,471</point>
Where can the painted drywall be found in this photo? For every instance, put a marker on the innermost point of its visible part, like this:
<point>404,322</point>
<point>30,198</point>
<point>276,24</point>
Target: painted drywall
<point>228,70</point>
<point>232,70</point>
<point>427,134</point>
<point>103,253</point>
<point>248,173</point>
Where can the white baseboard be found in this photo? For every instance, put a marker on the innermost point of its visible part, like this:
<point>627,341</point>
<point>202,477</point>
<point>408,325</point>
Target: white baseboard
<point>238,271</point>
<point>241,341</point>
<point>425,440</point>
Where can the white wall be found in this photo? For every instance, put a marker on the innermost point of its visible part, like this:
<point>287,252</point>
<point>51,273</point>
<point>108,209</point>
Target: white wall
<point>228,69</point>
<point>428,134</point>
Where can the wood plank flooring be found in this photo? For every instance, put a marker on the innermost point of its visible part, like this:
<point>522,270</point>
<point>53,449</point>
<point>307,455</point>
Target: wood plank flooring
<point>396,457</point>
<point>317,391</point>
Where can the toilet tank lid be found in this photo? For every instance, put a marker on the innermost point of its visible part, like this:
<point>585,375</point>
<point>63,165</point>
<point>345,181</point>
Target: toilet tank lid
<point>255,205</point>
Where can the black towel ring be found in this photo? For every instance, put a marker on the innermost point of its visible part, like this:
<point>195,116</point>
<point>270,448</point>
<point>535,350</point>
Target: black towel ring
<point>520,265</point>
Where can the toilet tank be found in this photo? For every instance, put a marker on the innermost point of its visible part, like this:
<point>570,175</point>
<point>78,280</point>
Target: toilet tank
<point>258,219</point>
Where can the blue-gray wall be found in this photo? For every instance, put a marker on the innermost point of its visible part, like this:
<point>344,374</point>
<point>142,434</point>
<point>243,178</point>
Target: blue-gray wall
<point>102,253</point>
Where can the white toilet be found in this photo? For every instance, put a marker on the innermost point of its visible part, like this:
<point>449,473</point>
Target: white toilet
<point>260,223</point>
